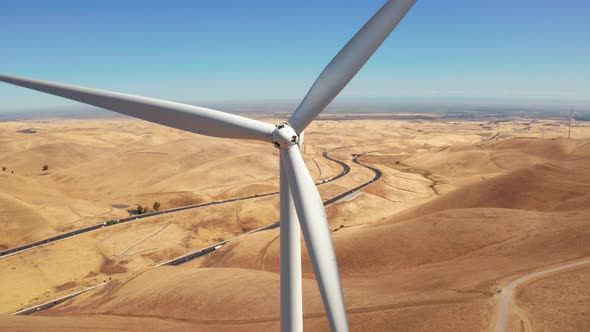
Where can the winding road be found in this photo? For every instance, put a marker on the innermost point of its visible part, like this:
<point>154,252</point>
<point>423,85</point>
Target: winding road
<point>16,250</point>
<point>195,254</point>
<point>506,300</point>
<point>198,253</point>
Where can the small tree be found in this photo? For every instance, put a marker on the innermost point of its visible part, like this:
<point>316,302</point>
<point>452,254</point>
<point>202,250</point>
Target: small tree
<point>45,167</point>
<point>156,206</point>
<point>3,168</point>
<point>140,209</point>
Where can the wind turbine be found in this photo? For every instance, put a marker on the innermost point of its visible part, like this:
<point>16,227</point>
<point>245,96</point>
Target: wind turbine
<point>569,130</point>
<point>300,203</point>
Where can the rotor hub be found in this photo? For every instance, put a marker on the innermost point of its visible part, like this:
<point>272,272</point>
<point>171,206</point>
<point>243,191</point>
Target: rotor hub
<point>284,136</point>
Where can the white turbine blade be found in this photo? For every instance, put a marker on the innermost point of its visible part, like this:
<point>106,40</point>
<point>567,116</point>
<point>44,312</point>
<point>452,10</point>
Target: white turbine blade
<point>348,62</point>
<point>291,282</point>
<point>176,115</point>
<point>316,232</point>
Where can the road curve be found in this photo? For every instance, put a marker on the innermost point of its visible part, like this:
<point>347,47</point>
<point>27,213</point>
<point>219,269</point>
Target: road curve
<point>204,251</point>
<point>505,301</point>
<point>201,252</point>
<point>19,249</point>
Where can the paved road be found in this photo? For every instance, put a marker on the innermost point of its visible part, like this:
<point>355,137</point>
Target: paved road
<point>355,160</point>
<point>196,254</point>
<point>496,136</point>
<point>16,250</point>
<point>505,302</point>
<point>53,303</point>
<point>204,251</point>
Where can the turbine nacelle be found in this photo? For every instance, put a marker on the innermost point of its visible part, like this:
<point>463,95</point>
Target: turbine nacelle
<point>284,136</point>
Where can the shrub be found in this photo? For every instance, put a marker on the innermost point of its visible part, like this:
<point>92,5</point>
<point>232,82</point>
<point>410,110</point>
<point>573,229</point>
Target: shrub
<point>45,167</point>
<point>156,206</point>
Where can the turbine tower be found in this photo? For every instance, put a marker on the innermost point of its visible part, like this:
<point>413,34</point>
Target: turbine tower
<point>301,207</point>
<point>569,130</point>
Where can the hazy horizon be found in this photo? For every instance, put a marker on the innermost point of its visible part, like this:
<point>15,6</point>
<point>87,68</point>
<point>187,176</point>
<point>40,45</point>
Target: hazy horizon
<point>506,107</point>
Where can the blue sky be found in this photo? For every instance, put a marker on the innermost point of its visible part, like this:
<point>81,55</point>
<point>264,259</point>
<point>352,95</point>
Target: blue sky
<point>214,51</point>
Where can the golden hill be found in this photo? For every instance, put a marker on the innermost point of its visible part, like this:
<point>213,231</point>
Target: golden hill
<point>425,248</point>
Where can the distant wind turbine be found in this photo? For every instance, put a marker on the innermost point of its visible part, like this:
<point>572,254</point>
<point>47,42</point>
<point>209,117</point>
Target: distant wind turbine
<point>300,202</point>
<point>569,130</point>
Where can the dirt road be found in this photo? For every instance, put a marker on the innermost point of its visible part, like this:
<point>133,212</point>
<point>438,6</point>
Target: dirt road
<point>505,301</point>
